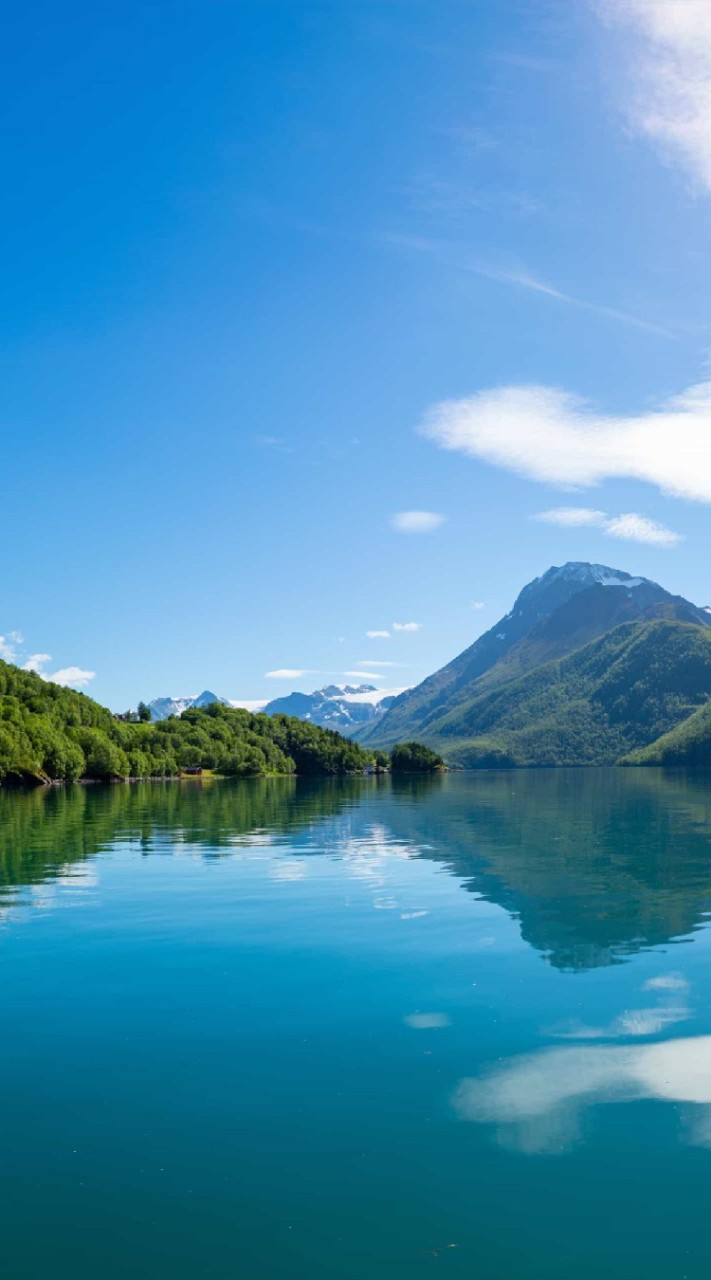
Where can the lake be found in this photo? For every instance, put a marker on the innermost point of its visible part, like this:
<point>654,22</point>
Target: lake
<point>453,1025</point>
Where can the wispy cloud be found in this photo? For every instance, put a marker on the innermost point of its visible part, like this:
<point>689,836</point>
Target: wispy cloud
<point>378,662</point>
<point>523,279</point>
<point>666,94</point>
<point>378,635</point>
<point>635,528</point>
<point>416,521</point>
<point>364,675</point>
<point>459,258</point>
<point>288,673</point>
<point>551,436</point>
<point>478,604</point>
<point>572,517</point>
<point>629,526</point>
<point>407,626</point>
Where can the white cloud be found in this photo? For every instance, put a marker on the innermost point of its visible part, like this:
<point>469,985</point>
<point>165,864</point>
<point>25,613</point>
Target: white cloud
<point>478,604</point>
<point>407,626</point>
<point>629,526</point>
<point>8,647</point>
<point>288,673</point>
<point>668,96</point>
<point>572,517</point>
<point>364,675</point>
<point>248,704</point>
<point>636,528</point>
<point>10,651</point>
<point>36,662</point>
<point>75,677</point>
<point>553,437</point>
<point>378,635</point>
<point>416,521</point>
<point>365,662</point>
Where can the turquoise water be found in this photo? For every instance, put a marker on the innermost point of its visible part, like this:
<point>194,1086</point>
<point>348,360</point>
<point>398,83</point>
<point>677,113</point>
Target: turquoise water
<point>456,1025</point>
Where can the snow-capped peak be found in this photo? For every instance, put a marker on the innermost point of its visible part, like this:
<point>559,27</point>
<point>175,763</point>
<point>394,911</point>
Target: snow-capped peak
<point>162,708</point>
<point>587,575</point>
<point>581,571</point>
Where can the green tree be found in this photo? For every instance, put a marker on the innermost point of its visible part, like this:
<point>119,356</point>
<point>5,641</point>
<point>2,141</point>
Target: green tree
<point>413,757</point>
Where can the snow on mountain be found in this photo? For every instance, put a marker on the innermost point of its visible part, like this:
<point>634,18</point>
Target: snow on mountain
<point>373,697</point>
<point>345,707</point>
<point>563,609</point>
<point>162,708</point>
<point>206,699</point>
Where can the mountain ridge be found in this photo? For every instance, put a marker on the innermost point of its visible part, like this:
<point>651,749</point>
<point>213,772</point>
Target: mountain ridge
<point>559,614</point>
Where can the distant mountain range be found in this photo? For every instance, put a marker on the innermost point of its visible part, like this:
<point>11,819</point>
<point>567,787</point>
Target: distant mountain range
<point>162,708</point>
<point>591,664</point>
<point>344,707</point>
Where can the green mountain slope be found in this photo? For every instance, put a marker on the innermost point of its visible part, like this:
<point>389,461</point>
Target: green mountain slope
<point>51,733</point>
<point>553,617</point>
<point>618,693</point>
<point>688,743</point>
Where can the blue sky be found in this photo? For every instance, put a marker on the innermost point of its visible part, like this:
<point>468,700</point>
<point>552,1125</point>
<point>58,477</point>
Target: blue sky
<point>250,248</point>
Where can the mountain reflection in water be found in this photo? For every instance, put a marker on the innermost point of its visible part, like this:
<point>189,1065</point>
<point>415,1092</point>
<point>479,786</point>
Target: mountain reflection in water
<point>596,865</point>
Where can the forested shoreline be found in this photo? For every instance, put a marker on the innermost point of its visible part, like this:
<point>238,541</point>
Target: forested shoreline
<point>49,733</point>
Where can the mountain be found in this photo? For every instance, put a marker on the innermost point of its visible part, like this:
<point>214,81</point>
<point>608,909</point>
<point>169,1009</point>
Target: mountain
<point>612,696</point>
<point>345,707</point>
<point>162,708</point>
<point>524,694</point>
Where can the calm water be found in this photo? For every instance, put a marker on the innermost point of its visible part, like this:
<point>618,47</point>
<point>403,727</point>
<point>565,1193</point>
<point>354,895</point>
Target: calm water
<point>458,1025</point>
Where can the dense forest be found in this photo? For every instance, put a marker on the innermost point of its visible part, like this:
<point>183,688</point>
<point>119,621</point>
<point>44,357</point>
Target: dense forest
<point>607,699</point>
<point>413,757</point>
<point>689,743</point>
<point>49,733</point>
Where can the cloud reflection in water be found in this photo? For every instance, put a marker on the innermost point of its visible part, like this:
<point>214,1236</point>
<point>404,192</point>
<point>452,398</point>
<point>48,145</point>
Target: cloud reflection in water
<point>536,1100</point>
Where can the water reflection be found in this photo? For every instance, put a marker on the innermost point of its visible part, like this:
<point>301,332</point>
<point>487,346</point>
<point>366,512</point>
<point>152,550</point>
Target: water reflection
<point>594,865</point>
<point>670,1009</point>
<point>536,1102</point>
